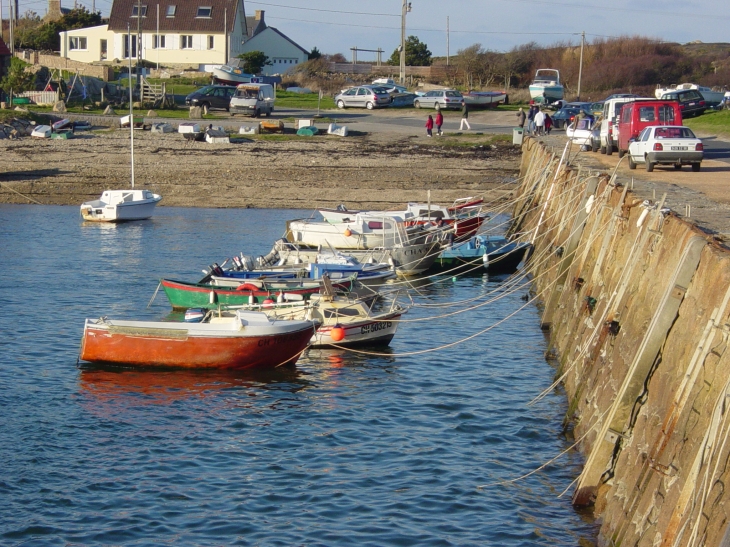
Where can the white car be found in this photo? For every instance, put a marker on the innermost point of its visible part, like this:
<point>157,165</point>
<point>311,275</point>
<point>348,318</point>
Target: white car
<point>579,131</point>
<point>666,145</point>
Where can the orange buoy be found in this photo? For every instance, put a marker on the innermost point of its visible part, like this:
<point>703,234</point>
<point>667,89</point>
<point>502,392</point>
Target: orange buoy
<point>247,287</point>
<point>268,303</point>
<point>337,333</point>
<point>347,232</point>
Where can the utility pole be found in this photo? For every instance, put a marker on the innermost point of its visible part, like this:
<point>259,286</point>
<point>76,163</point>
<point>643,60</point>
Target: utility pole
<point>406,9</point>
<point>580,69</point>
<point>139,40</point>
<point>12,37</point>
<point>447,40</point>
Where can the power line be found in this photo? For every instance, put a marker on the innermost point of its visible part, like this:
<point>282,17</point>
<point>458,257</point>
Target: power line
<point>325,10</point>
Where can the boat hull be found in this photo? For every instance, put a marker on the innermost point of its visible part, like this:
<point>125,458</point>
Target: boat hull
<point>233,77</point>
<point>122,212</point>
<point>551,93</point>
<point>484,98</point>
<point>183,348</point>
<point>371,332</point>
<point>195,295</point>
<point>502,257</point>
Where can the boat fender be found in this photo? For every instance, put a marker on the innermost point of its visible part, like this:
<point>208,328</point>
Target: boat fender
<point>247,287</point>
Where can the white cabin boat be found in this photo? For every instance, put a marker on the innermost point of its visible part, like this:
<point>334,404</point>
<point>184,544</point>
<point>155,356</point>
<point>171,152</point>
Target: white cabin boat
<point>120,206</point>
<point>546,87</point>
<point>231,73</point>
<point>712,96</point>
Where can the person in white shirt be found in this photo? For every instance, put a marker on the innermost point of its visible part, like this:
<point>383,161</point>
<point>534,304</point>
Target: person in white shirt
<point>540,122</point>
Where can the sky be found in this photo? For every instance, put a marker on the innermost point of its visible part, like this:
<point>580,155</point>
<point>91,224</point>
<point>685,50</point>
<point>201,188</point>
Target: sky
<point>499,25</point>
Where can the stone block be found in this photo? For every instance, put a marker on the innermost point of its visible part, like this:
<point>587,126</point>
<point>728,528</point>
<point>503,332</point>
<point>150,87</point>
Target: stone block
<point>196,113</point>
<point>249,130</point>
<point>59,106</point>
<point>109,111</point>
<point>151,114</point>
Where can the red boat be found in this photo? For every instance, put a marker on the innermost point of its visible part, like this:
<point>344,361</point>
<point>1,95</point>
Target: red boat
<point>239,341</point>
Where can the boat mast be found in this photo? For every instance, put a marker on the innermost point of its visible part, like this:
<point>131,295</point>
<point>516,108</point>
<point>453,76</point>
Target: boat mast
<point>131,118</point>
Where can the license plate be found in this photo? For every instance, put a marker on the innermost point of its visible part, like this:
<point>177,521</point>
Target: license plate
<point>680,148</point>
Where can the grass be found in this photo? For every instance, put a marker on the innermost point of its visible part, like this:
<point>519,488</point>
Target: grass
<point>303,100</point>
<point>713,121</point>
<point>457,140</point>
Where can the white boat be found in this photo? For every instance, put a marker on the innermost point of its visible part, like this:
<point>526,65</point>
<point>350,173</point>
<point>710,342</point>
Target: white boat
<point>122,205</point>
<point>546,87</point>
<point>712,96</point>
<point>42,132</point>
<point>484,98</point>
<point>231,73</point>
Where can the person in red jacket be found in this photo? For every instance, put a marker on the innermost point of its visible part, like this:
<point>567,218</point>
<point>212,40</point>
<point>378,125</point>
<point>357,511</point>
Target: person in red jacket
<point>439,122</point>
<point>429,126</point>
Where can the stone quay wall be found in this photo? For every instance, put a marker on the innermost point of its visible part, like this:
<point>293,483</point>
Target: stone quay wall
<point>637,304</point>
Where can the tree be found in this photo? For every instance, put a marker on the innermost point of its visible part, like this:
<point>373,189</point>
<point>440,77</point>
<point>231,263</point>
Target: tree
<point>254,61</point>
<point>417,53</point>
<point>17,80</point>
<point>314,54</point>
<point>35,34</point>
<point>467,61</point>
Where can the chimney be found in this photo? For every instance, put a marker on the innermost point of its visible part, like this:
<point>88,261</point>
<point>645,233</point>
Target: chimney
<point>259,14</point>
<point>260,23</point>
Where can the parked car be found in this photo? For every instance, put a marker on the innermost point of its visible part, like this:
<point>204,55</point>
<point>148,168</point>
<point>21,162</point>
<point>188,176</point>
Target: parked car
<point>597,108</point>
<point>691,101</point>
<point>621,96</point>
<point>364,96</point>
<point>253,100</point>
<point>641,113</point>
<point>666,145</point>
<point>211,96</point>
<point>564,116</point>
<point>579,131</point>
<point>596,136</point>
<point>611,111</point>
<point>393,88</point>
<point>444,98</point>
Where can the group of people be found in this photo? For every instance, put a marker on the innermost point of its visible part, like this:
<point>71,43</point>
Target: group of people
<point>439,122</point>
<point>539,122</point>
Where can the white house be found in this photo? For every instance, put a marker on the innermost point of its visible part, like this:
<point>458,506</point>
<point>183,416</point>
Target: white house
<point>182,33</point>
<point>283,53</point>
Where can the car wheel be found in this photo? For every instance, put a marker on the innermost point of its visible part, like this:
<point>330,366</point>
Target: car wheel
<point>417,104</point>
<point>649,166</point>
<point>695,167</point>
<point>677,166</point>
<point>340,104</point>
<point>632,164</point>
<point>609,148</point>
<point>621,153</point>
<point>369,105</point>
<point>603,149</point>
<point>256,113</point>
<point>268,113</point>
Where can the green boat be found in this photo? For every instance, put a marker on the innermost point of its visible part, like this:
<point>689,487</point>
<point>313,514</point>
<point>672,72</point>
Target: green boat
<point>184,295</point>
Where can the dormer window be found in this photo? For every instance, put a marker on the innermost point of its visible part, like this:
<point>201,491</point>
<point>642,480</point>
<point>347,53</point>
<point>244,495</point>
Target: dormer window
<point>204,11</point>
<point>171,11</point>
<point>135,11</point>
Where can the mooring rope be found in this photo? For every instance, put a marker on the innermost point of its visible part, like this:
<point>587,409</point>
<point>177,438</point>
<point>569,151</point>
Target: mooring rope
<point>22,195</point>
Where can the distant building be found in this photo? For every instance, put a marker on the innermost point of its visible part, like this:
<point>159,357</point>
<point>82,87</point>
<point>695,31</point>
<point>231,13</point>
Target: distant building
<point>282,51</point>
<point>55,11</point>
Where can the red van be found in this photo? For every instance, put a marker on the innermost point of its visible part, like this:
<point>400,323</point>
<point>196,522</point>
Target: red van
<point>638,114</point>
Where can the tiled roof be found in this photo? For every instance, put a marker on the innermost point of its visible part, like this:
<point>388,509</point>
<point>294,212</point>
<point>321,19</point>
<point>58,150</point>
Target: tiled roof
<point>3,48</point>
<point>185,19</point>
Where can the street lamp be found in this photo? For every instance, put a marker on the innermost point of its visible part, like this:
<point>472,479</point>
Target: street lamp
<point>406,9</point>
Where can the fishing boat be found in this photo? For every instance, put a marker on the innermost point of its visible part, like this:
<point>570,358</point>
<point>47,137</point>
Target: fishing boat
<point>712,96</point>
<point>183,295</point>
<point>341,320</point>
<point>546,87</point>
<point>122,205</point>
<point>465,215</point>
<point>484,99</point>
<point>242,340</point>
<point>496,254</point>
<point>231,73</point>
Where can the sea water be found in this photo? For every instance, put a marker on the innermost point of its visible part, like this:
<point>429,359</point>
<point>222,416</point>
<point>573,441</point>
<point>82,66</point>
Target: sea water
<point>386,447</point>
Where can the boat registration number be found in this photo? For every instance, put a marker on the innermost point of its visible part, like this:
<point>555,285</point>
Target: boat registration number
<point>375,327</point>
<point>679,148</point>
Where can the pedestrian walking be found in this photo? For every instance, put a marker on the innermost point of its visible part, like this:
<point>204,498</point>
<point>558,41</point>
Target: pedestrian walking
<point>531,120</point>
<point>429,126</point>
<point>548,123</point>
<point>521,117</point>
<point>539,122</point>
<point>464,116</point>
<point>439,122</point>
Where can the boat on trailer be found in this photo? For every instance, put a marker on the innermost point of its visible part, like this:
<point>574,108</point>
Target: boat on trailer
<point>231,73</point>
<point>546,87</point>
<point>485,99</point>
<point>242,340</point>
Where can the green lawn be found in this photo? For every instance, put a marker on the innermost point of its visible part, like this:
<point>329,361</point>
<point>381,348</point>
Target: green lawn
<point>713,121</point>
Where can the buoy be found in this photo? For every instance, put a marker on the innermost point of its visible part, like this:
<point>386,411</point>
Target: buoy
<point>280,298</point>
<point>251,300</point>
<point>247,287</point>
<point>347,232</point>
<point>268,303</point>
<point>212,297</point>
<point>453,279</point>
<point>337,333</point>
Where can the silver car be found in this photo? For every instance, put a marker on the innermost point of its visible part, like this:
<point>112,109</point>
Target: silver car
<point>364,96</point>
<point>444,98</point>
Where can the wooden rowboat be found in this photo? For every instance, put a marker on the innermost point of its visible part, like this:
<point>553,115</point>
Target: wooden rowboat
<point>240,341</point>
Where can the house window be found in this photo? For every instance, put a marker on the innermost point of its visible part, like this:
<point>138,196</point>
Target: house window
<point>171,11</point>
<point>135,11</point>
<point>211,42</point>
<point>158,42</point>
<point>204,11</point>
<point>77,42</point>
<point>103,49</point>
<point>186,41</point>
<point>127,39</point>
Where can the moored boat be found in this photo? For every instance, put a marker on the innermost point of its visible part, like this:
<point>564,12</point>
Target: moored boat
<point>484,99</point>
<point>243,340</point>
<point>546,87</point>
<point>120,206</point>
<point>496,254</point>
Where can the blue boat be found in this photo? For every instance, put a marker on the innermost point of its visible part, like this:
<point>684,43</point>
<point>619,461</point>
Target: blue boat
<point>496,254</point>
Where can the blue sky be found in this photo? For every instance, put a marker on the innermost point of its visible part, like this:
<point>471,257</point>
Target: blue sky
<point>336,26</point>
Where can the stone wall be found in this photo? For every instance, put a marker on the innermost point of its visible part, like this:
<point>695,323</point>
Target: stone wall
<point>103,72</point>
<point>637,304</point>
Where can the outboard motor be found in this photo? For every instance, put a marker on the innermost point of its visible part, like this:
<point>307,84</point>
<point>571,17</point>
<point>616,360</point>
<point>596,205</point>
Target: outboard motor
<point>270,259</point>
<point>237,265</point>
<point>215,269</point>
<point>194,315</point>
